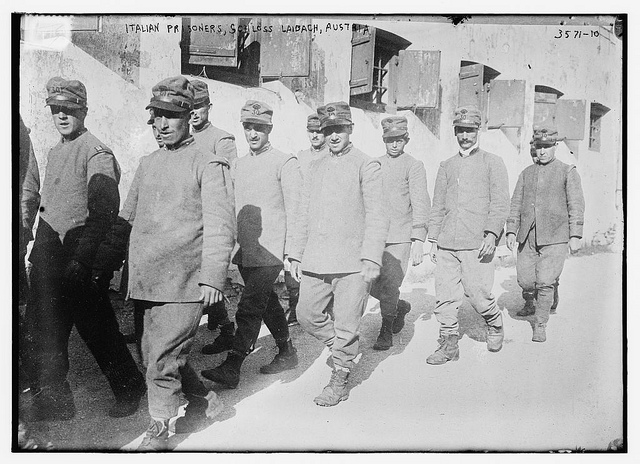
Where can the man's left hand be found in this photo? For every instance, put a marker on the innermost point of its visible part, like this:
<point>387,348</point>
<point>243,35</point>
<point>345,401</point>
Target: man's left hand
<point>417,252</point>
<point>488,246</point>
<point>370,270</point>
<point>574,244</point>
<point>209,295</point>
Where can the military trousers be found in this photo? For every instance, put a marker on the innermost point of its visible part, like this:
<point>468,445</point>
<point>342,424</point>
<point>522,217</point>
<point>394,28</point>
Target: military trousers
<point>169,330</point>
<point>337,326</point>
<point>538,269</point>
<point>460,273</point>
<point>386,288</point>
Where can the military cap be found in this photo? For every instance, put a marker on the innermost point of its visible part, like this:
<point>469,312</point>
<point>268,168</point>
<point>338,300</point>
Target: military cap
<point>200,93</point>
<point>69,93</point>
<point>467,116</point>
<point>256,112</point>
<point>172,94</point>
<point>335,114</point>
<point>544,137</point>
<point>313,122</point>
<point>394,126</point>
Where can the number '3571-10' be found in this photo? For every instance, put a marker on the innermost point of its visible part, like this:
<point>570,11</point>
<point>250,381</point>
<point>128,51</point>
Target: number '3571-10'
<point>568,34</point>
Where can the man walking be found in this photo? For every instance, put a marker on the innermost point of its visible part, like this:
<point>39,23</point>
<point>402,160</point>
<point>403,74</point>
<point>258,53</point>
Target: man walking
<point>547,212</point>
<point>267,191</point>
<point>338,252</point>
<point>470,206</point>
<point>407,204</point>
<point>79,203</point>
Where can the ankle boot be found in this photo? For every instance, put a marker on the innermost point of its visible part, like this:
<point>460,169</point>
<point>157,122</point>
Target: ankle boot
<point>385,338</point>
<point>223,342</point>
<point>495,337</point>
<point>198,412</point>
<point>447,351</point>
<point>336,391</point>
<point>286,359</point>
<point>226,374</point>
<point>539,332</point>
<point>403,309</point>
<point>157,437</point>
<point>529,307</point>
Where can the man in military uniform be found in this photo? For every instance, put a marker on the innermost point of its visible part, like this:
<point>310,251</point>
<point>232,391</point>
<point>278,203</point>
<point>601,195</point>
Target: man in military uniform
<point>338,252</point>
<point>267,192</point>
<point>407,204</point>
<point>470,206</point>
<point>223,144</point>
<point>547,212</point>
<point>80,201</point>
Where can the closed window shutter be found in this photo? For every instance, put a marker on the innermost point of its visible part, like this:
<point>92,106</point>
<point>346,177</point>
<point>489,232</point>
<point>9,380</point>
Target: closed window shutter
<point>471,85</point>
<point>415,79</point>
<point>286,54</point>
<point>544,109</point>
<point>506,104</point>
<point>570,119</point>
<point>206,44</point>
<point>362,53</point>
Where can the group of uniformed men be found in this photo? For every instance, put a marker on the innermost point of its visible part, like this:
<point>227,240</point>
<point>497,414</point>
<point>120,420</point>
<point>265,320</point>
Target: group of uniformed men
<point>341,224</point>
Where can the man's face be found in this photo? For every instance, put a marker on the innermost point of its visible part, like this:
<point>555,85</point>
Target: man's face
<point>68,121</point>
<point>338,137</point>
<point>395,145</point>
<point>157,136</point>
<point>316,138</point>
<point>172,126</point>
<point>257,135</point>
<point>546,154</point>
<point>200,116</point>
<point>467,136</point>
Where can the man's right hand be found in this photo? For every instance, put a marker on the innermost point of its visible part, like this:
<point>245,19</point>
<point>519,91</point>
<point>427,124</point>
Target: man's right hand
<point>295,270</point>
<point>511,241</point>
<point>432,253</point>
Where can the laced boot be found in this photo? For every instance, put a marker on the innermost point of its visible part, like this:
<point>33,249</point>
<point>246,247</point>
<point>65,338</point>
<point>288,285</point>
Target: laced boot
<point>286,359</point>
<point>447,351</point>
<point>157,436</point>
<point>385,338</point>
<point>226,374</point>
<point>223,342</point>
<point>539,332</point>
<point>336,391</point>
<point>403,309</point>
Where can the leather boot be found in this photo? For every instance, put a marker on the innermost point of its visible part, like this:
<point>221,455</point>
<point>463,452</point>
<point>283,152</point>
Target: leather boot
<point>54,403</point>
<point>223,342</point>
<point>539,332</point>
<point>336,391</point>
<point>197,413</point>
<point>495,337</point>
<point>226,374</point>
<point>286,359</point>
<point>529,308</point>
<point>403,309</point>
<point>447,351</point>
<point>127,403</point>
<point>157,436</point>
<point>385,338</point>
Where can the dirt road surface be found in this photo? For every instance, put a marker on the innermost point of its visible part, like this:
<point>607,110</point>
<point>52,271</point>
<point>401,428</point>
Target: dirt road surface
<point>565,394</point>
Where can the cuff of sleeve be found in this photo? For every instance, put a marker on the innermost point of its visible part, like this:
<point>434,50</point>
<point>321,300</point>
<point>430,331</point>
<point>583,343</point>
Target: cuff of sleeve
<point>419,233</point>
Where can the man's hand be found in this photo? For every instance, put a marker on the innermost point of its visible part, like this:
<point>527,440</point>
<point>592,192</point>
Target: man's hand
<point>100,278</point>
<point>76,273</point>
<point>511,241</point>
<point>488,246</point>
<point>432,253</point>
<point>295,270</point>
<point>209,295</point>
<point>574,244</point>
<point>417,252</point>
<point>370,271</point>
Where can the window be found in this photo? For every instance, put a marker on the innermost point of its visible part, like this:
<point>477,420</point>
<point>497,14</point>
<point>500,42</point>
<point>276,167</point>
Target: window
<point>474,85</point>
<point>372,51</point>
<point>244,51</point>
<point>570,119</point>
<point>595,117</point>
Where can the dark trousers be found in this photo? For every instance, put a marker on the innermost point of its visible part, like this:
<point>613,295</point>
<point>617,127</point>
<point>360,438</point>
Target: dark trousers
<point>53,310</point>
<point>259,303</point>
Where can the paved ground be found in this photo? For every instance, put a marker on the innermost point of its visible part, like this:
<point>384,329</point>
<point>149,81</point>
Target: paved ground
<point>565,394</point>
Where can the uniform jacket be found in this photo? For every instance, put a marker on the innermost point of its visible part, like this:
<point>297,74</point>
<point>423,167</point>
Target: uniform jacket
<point>407,201</point>
<point>219,142</point>
<point>267,189</point>
<point>80,199</point>
<point>342,218</point>
<point>305,157</point>
<point>180,208</point>
<point>550,198</point>
<point>471,197</point>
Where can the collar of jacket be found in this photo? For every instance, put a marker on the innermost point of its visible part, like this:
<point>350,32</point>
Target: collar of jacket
<point>397,156</point>
<point>470,151</point>
<point>177,146</point>
<point>546,164</point>
<point>346,150</point>
<point>74,136</point>
<point>322,147</point>
<point>266,147</point>
<point>206,125</point>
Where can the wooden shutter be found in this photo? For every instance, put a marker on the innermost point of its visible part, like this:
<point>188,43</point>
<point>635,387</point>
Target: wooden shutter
<point>415,78</point>
<point>284,53</point>
<point>506,104</point>
<point>206,40</point>
<point>570,119</point>
<point>362,50</point>
<point>471,89</point>
<point>544,109</point>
